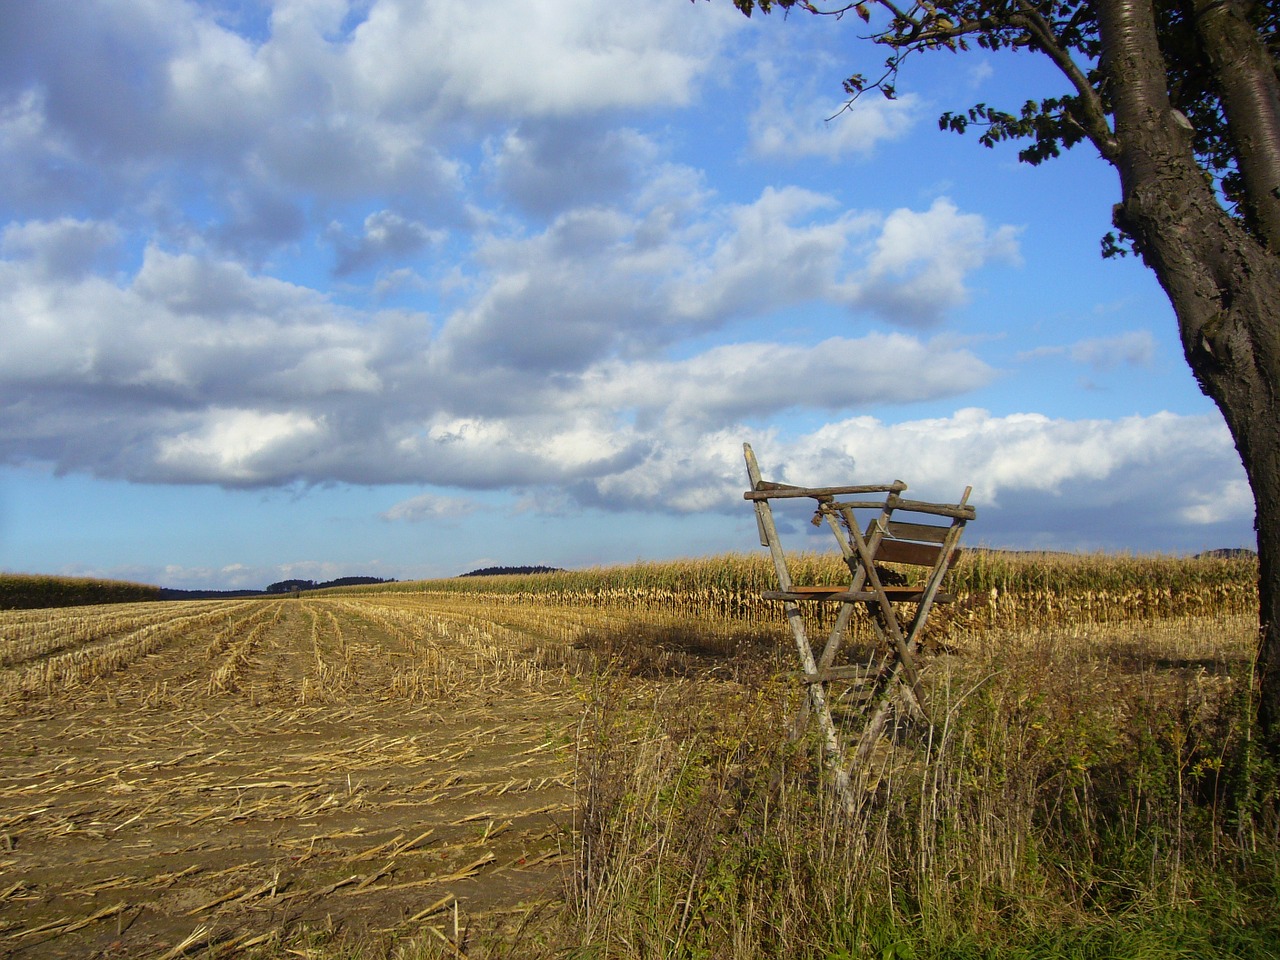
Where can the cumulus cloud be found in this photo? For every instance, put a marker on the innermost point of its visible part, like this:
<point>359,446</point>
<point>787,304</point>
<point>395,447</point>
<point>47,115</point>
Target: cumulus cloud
<point>336,105</point>
<point>64,249</point>
<point>586,320</point>
<point>258,221</point>
<point>239,446</point>
<point>920,261</point>
<point>386,236</point>
<point>771,252</point>
<point>198,369</point>
<point>546,166</point>
<point>745,380</point>
<point>1038,482</point>
<point>545,57</point>
<point>909,267</point>
<point>430,506</point>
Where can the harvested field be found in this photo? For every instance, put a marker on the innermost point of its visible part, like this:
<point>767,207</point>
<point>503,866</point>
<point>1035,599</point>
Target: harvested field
<point>235,773</point>
<point>370,773</point>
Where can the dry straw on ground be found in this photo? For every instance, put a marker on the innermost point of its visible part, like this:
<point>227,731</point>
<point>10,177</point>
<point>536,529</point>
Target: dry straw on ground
<point>594,761</point>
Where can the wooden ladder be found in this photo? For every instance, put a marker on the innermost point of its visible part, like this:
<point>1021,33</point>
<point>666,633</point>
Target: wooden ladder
<point>898,612</point>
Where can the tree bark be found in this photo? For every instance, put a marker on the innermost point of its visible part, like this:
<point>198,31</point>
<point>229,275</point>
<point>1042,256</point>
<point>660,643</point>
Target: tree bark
<point>1250,94</point>
<point>1224,286</point>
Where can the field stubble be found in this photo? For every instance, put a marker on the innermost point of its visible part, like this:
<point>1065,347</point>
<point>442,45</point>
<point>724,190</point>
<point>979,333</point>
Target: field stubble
<point>334,775</point>
<point>229,775</point>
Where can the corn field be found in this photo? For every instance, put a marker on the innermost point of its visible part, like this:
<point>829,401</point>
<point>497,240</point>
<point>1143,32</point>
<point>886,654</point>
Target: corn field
<point>992,588</point>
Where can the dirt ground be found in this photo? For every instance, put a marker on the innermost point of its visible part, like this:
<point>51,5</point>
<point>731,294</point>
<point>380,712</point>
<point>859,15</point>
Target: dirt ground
<point>246,776</point>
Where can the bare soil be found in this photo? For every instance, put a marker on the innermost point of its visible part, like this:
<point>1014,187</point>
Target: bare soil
<point>284,772</point>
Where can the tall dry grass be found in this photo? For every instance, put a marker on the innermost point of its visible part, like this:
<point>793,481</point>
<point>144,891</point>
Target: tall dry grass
<point>1075,778</point>
<point>1088,787</point>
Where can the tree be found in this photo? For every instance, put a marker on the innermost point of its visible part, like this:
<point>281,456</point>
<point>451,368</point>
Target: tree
<point>1182,98</point>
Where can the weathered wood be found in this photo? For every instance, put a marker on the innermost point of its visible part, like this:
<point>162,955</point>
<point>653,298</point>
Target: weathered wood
<point>908,552</point>
<point>895,678</point>
<point>879,714</point>
<point>782,491</point>
<point>832,753</point>
<point>837,673</point>
<point>957,511</point>
<point>843,595</point>
<point>886,619</point>
<point>924,532</point>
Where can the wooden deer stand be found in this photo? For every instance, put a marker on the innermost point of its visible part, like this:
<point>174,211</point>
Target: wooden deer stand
<point>898,613</point>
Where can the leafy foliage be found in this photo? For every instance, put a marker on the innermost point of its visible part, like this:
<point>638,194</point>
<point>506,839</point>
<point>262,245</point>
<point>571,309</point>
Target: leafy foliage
<point>1067,32</point>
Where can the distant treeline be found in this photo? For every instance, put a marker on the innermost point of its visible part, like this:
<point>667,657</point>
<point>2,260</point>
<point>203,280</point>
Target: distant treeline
<point>288,586</point>
<point>280,586</point>
<point>499,571</point>
<point>170,593</point>
<point>23,591</point>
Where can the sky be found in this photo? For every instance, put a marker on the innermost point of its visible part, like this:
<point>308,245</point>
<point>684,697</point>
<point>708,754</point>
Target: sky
<point>405,288</point>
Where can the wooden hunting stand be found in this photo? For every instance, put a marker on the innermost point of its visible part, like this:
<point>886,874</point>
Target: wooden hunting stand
<point>890,677</point>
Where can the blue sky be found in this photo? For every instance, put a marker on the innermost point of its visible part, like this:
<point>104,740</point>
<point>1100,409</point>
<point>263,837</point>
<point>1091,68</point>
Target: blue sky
<point>408,287</point>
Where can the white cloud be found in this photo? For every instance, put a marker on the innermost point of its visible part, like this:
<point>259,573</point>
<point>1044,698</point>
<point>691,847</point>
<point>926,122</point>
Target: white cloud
<point>386,235</point>
<point>197,368</point>
<point>548,166</point>
<point>239,446</point>
<point>430,507</point>
<point>1218,503</point>
<point>1135,348</point>
<point>1037,481</point>
<point>799,124</point>
<point>763,258</point>
<point>920,261</point>
<point>599,300</point>
<point>386,107</point>
<point>200,372</point>
<point>909,267</point>
<point>539,57</point>
<point>745,380</point>
<point>63,249</point>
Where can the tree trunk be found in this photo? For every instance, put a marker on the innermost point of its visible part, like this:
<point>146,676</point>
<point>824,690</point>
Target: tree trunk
<point>1250,93</point>
<point>1224,286</point>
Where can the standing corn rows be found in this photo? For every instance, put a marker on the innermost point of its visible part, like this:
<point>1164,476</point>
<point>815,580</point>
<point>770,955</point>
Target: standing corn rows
<point>994,588</point>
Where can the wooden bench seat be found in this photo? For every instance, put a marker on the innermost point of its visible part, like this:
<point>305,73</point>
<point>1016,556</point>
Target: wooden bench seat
<point>843,594</point>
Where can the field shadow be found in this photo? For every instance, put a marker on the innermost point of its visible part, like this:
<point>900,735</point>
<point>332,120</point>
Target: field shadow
<point>686,650</point>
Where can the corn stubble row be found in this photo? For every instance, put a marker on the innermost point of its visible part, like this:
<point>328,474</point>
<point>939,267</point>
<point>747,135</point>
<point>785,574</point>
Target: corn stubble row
<point>320,735</point>
<point>74,649</point>
<point>455,648</point>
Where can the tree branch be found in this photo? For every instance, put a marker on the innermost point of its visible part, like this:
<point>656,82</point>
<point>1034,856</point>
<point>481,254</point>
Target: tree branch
<point>1094,122</point>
